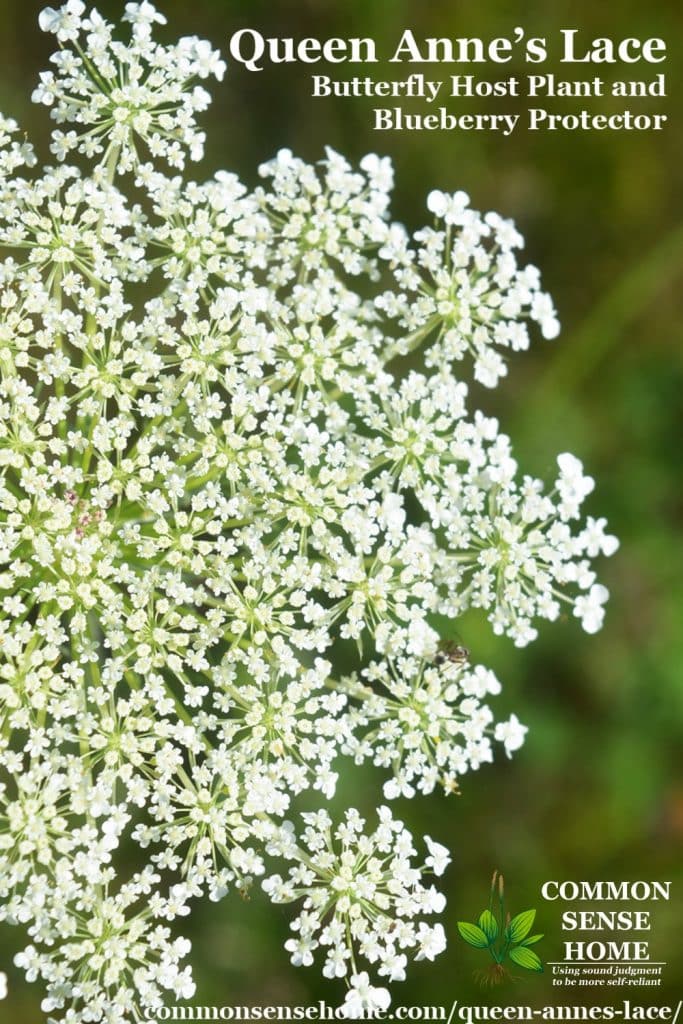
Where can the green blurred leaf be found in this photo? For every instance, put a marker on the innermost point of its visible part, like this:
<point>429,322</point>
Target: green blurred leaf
<point>526,958</point>
<point>533,939</point>
<point>520,926</point>
<point>488,925</point>
<point>472,934</point>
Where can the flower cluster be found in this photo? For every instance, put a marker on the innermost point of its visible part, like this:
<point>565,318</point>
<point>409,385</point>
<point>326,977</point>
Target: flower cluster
<point>118,96</point>
<point>213,475</point>
<point>425,721</point>
<point>364,897</point>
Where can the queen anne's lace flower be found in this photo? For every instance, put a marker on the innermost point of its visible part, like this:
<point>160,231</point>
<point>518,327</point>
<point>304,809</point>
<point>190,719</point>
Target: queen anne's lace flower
<point>117,95</point>
<point>359,892</point>
<point>211,476</point>
<point>425,721</point>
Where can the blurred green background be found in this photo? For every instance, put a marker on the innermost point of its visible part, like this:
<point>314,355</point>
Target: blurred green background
<point>597,791</point>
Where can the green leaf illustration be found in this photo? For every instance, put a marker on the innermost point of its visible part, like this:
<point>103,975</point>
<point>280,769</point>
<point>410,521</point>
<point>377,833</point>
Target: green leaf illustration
<point>520,926</point>
<point>473,934</point>
<point>488,925</point>
<point>526,958</point>
<point>532,939</point>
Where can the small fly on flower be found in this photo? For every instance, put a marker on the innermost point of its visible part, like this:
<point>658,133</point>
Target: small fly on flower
<point>451,651</point>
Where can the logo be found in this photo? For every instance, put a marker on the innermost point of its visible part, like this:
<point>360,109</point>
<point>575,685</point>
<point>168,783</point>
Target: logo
<point>505,938</point>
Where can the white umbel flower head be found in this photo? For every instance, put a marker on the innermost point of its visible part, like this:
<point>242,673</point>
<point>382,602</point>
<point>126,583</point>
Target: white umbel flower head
<point>213,473</point>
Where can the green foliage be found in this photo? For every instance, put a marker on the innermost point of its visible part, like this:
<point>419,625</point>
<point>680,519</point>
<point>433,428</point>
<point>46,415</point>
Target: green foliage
<point>488,925</point>
<point>473,935</point>
<point>503,936</point>
<point>526,958</point>
<point>520,926</point>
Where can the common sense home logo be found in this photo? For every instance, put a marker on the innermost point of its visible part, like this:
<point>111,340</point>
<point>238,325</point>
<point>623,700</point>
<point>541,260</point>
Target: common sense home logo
<point>611,929</point>
<point>502,936</point>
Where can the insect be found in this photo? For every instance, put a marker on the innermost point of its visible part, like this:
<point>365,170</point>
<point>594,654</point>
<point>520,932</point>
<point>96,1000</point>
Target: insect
<point>451,651</point>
